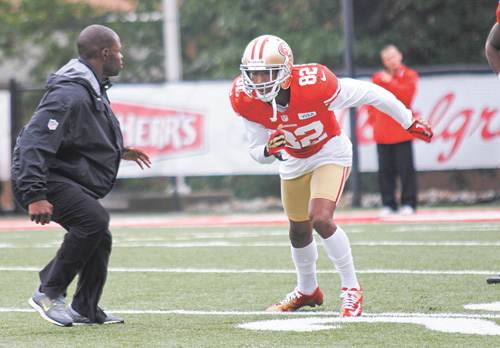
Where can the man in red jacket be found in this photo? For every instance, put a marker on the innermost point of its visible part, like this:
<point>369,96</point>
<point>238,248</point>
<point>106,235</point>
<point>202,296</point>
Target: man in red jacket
<point>394,143</point>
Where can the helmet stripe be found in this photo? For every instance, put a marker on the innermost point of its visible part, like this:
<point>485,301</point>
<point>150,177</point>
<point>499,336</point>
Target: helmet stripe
<point>258,46</point>
<point>261,53</point>
<point>252,56</point>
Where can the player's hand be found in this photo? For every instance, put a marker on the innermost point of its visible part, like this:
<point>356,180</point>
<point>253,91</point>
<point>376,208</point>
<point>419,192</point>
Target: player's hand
<point>276,143</point>
<point>137,155</point>
<point>40,212</point>
<point>421,129</point>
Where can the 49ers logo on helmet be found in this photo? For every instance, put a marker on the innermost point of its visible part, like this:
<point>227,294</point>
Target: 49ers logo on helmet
<point>285,50</point>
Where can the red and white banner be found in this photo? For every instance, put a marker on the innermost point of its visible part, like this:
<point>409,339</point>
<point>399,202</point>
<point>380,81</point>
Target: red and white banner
<point>189,128</point>
<point>162,132</point>
<point>463,111</point>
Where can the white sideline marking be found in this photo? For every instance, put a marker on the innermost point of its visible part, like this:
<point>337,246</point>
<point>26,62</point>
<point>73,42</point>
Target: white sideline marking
<point>122,244</point>
<point>287,244</point>
<point>494,306</point>
<point>269,271</point>
<point>308,313</point>
<point>308,321</point>
<point>445,324</point>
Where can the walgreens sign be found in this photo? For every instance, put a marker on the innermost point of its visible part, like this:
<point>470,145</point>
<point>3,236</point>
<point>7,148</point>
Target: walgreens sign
<point>464,112</point>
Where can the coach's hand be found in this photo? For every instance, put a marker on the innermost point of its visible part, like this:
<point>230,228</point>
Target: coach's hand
<point>137,155</point>
<point>421,130</point>
<point>40,212</point>
<point>276,143</point>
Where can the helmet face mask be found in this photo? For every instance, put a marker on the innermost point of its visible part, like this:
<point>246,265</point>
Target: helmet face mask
<point>265,91</point>
<point>266,67</point>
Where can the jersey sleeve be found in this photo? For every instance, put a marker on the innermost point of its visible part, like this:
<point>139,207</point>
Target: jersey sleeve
<point>317,82</point>
<point>257,134</point>
<point>355,93</point>
<point>234,95</point>
<point>240,102</point>
<point>258,137</point>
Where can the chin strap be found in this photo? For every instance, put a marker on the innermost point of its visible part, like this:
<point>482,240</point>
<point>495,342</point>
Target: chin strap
<point>275,111</point>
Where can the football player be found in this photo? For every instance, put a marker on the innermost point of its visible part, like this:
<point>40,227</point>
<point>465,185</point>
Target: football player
<point>288,114</point>
<point>492,47</point>
<point>493,55</point>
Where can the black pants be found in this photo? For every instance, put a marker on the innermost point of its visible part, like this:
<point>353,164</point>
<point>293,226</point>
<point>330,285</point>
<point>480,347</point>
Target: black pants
<point>84,252</point>
<point>397,160</point>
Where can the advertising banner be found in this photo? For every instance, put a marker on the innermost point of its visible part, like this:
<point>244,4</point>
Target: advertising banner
<point>190,129</point>
<point>4,135</point>
<point>463,111</point>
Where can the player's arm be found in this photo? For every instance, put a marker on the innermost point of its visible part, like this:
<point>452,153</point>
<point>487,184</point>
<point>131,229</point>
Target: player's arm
<point>492,48</point>
<point>355,93</point>
<point>258,138</point>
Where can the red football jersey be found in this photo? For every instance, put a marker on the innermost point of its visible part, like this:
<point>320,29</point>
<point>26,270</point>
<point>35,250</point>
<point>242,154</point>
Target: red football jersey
<point>307,122</point>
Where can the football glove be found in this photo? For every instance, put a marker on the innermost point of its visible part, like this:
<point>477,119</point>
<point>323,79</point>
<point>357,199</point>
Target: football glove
<point>276,143</point>
<point>421,130</point>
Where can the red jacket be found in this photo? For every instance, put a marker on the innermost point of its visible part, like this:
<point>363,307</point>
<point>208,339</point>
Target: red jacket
<point>404,87</point>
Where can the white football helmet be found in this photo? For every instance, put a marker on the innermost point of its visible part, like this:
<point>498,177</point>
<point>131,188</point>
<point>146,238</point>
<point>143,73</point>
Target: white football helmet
<point>266,54</point>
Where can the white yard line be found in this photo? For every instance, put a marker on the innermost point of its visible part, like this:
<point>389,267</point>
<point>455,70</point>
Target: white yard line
<point>262,271</point>
<point>221,243</point>
<point>309,321</point>
<point>287,314</point>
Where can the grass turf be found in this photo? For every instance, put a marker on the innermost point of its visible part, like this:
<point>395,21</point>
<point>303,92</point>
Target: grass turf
<point>194,286</point>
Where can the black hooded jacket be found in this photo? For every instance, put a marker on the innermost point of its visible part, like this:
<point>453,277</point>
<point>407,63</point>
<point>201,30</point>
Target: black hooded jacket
<point>73,137</point>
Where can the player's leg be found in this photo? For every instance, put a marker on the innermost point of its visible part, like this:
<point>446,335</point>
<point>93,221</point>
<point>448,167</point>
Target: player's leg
<point>295,196</point>
<point>327,185</point>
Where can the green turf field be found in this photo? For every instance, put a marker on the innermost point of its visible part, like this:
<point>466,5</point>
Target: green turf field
<point>209,287</point>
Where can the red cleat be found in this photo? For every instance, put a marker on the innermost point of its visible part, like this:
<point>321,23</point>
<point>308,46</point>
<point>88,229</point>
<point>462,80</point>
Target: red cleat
<point>296,300</point>
<point>352,301</point>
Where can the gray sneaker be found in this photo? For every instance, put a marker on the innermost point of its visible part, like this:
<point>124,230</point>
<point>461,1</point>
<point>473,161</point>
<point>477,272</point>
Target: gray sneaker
<point>81,320</point>
<point>52,310</point>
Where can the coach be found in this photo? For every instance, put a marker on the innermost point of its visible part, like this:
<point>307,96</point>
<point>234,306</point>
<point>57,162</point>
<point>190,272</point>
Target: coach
<point>64,160</point>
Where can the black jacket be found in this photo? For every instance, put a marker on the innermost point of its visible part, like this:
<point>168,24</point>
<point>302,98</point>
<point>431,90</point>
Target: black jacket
<point>73,137</point>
